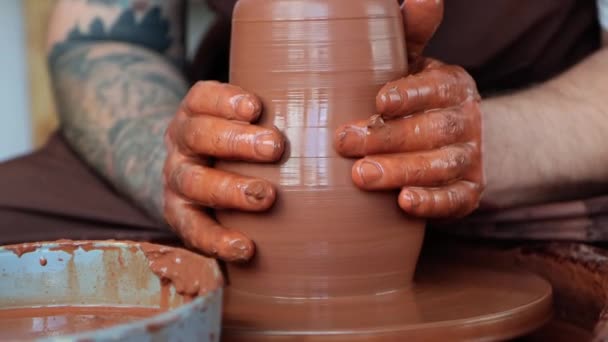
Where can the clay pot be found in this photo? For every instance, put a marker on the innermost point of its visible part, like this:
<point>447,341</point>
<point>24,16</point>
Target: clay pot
<point>317,64</point>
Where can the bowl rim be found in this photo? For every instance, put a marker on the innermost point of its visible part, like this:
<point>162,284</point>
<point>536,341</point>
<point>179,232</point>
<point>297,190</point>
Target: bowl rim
<point>167,318</point>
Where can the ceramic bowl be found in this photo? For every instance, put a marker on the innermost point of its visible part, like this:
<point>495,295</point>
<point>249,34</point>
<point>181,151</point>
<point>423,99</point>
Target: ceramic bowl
<point>107,274</point>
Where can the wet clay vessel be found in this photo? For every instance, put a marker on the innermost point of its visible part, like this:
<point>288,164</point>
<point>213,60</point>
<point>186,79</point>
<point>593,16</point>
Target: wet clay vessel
<point>331,260</point>
<point>313,74</point>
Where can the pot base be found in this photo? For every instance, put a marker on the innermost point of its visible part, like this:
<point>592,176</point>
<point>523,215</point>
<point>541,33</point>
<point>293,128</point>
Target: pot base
<point>447,301</point>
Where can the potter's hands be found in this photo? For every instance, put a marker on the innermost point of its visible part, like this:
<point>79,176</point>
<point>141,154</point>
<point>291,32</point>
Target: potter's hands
<point>425,141</point>
<point>214,122</point>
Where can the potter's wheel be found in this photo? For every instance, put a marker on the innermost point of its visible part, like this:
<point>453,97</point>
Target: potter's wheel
<point>447,302</point>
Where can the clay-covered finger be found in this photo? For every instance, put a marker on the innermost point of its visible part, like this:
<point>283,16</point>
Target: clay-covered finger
<point>452,201</point>
<point>219,189</point>
<point>429,168</point>
<point>226,139</point>
<point>421,19</point>
<point>198,230</point>
<point>433,88</point>
<point>432,130</point>
<point>222,100</point>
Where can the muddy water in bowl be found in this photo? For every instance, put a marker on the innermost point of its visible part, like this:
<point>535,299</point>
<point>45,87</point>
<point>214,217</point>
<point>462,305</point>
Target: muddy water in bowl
<point>108,291</point>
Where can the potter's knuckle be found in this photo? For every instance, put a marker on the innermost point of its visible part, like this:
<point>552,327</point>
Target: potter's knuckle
<point>423,163</point>
<point>472,188</point>
<point>438,73</point>
<point>458,70</point>
<point>199,88</point>
<point>225,192</point>
<point>466,78</point>
<point>413,171</point>
<point>456,158</point>
<point>449,125</point>
<point>189,180</point>
<point>467,82</point>
<point>171,175</point>
<point>175,179</point>
<point>462,157</point>
<point>182,179</point>
<point>231,142</point>
<point>227,87</point>
<point>193,134</point>
<point>416,175</point>
<point>190,99</point>
<point>473,148</point>
<point>218,143</point>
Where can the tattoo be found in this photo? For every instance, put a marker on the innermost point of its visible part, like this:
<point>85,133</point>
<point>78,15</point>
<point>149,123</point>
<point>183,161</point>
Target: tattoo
<point>153,24</point>
<point>151,32</point>
<point>115,102</point>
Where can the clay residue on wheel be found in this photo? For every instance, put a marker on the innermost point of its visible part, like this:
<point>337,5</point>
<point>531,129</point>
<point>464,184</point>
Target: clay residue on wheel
<point>191,274</point>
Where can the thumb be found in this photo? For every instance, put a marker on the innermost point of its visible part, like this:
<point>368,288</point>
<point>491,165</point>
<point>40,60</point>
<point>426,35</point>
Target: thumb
<point>421,18</point>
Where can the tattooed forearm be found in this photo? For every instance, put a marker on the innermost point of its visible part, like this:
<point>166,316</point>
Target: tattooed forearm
<point>115,102</point>
<point>116,88</point>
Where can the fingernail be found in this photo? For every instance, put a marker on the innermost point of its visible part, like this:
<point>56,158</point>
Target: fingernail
<point>266,146</point>
<point>240,250</point>
<point>411,199</point>
<point>238,245</point>
<point>255,191</point>
<point>389,101</point>
<point>245,107</point>
<point>349,141</point>
<point>370,172</point>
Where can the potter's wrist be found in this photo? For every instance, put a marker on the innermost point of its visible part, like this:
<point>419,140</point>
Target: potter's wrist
<point>489,108</point>
<point>514,163</point>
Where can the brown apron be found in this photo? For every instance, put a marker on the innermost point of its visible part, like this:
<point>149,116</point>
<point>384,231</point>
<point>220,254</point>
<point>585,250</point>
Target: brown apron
<point>505,44</point>
<point>50,194</point>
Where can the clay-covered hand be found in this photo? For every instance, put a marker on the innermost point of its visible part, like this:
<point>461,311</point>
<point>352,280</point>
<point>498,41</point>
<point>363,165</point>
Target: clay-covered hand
<point>426,138</point>
<point>426,141</point>
<point>214,122</point>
